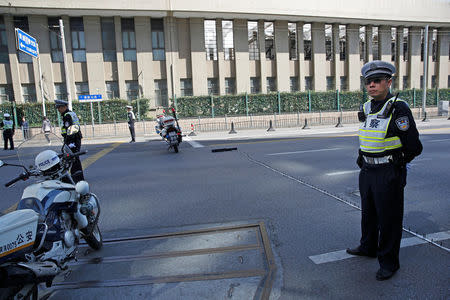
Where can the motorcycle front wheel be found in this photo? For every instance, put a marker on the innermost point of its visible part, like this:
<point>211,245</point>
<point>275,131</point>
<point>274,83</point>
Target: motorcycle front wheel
<point>94,239</point>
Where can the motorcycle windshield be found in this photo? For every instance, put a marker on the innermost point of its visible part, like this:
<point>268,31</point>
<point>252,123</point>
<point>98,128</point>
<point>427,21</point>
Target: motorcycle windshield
<point>29,149</point>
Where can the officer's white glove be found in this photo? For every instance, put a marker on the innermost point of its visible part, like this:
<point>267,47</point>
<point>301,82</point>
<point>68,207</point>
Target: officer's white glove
<point>71,145</point>
<point>408,166</point>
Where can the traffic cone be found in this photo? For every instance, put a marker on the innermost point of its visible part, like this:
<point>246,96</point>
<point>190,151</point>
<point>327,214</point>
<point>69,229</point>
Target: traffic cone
<point>192,131</point>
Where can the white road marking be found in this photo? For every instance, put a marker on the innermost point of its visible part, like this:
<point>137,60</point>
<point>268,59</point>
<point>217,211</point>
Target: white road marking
<point>443,140</point>
<point>194,144</point>
<point>406,242</point>
<point>305,151</point>
<point>342,173</point>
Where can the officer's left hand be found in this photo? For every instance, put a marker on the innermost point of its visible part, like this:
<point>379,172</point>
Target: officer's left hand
<point>71,145</point>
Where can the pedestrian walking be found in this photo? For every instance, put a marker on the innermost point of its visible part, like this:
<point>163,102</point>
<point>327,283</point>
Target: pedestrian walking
<point>131,119</point>
<point>71,132</point>
<point>388,140</point>
<point>7,126</point>
<point>25,129</point>
<point>46,129</point>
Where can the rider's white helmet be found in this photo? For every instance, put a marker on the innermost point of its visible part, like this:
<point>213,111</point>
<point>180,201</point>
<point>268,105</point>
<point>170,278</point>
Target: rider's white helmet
<point>47,161</point>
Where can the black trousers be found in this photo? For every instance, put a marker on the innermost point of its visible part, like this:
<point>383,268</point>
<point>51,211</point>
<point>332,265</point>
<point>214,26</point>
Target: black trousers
<point>382,196</point>
<point>8,136</point>
<point>77,169</point>
<point>131,127</point>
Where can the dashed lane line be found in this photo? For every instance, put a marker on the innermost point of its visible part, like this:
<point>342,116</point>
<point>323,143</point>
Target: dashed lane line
<point>406,242</point>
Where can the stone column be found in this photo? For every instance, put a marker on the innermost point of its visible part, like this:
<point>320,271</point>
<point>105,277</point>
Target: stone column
<point>220,56</point>
<point>13,59</point>
<point>94,55</point>
<point>68,38</point>
<point>198,57</point>
<point>262,56</point>
<point>399,58</point>
<point>415,65</point>
<point>171,44</point>
<point>318,56</point>
<point>369,44</point>
<point>241,60</point>
<point>119,55</point>
<point>144,56</point>
<point>301,56</point>
<point>353,64</point>
<point>442,63</point>
<point>282,55</point>
<point>384,43</point>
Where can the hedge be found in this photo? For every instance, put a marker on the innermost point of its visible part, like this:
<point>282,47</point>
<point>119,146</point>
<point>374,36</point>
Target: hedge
<point>110,111</point>
<point>207,106</point>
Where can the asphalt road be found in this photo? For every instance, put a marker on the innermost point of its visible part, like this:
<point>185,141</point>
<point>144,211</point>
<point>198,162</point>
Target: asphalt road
<point>300,187</point>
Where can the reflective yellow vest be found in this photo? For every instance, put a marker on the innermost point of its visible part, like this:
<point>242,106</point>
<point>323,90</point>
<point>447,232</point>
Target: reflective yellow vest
<point>7,124</point>
<point>372,132</point>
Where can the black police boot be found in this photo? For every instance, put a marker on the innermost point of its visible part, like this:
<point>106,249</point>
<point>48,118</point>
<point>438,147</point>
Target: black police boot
<point>359,252</point>
<point>384,274</point>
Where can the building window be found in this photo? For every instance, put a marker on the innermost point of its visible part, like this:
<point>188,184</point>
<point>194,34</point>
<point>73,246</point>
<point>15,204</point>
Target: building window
<point>230,86</point>
<point>292,37</point>
<point>6,93</point>
<point>375,51</point>
<point>269,40</point>
<point>161,92</point>
<point>362,43</point>
<point>329,42</point>
<point>112,89</point>
<point>434,42</point>
<point>271,84</point>
<point>108,39</point>
<point>29,92</point>
<point>393,44</point>
<point>132,89</point>
<point>344,84</point>
<point>421,82</point>
<point>55,40</point>
<point>433,81</point>
<point>362,83</point>
<point>213,86</point>
<point>253,45</point>
<point>61,91</point>
<point>421,44</point>
<point>394,83</point>
<point>228,41</point>
<point>4,58</point>
<point>128,39</point>
<point>158,39</point>
<point>342,42</point>
<point>78,44</point>
<point>255,86</point>
<point>307,41</point>
<point>330,83</point>
<point>22,23</point>
<point>82,88</point>
<point>308,83</point>
<point>186,87</point>
<point>405,44</point>
<point>405,82</point>
<point>210,39</point>
<point>294,84</point>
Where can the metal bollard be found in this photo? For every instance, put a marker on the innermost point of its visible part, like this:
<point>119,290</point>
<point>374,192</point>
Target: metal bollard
<point>232,131</point>
<point>306,124</point>
<point>270,126</point>
<point>339,122</point>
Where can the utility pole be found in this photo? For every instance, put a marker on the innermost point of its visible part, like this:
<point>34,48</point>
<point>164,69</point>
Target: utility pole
<point>66,67</point>
<point>425,68</point>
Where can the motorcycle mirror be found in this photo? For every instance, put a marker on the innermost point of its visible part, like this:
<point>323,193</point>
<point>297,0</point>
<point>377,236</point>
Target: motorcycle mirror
<point>1,163</point>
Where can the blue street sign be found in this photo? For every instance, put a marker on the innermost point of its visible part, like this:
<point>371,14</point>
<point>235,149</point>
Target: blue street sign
<point>26,43</point>
<point>90,97</point>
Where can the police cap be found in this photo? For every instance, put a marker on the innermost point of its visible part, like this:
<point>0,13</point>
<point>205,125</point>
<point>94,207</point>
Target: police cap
<point>6,115</point>
<point>59,103</point>
<point>377,68</point>
<point>129,107</point>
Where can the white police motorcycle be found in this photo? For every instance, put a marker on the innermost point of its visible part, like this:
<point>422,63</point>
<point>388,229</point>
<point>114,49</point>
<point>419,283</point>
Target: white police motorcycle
<point>169,130</point>
<point>54,214</point>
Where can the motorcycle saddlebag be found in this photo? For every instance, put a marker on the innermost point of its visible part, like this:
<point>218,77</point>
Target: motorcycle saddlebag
<point>17,233</point>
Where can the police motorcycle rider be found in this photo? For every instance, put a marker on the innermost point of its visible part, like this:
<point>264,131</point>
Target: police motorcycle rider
<point>7,126</point>
<point>71,132</point>
<point>388,140</point>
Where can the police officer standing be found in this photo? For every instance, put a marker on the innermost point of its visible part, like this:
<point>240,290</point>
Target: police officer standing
<point>131,119</point>
<point>7,126</point>
<point>71,133</point>
<point>388,140</point>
